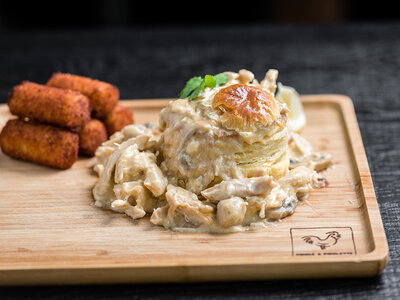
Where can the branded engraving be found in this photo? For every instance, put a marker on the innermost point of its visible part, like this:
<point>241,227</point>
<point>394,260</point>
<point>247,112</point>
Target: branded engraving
<point>331,239</point>
<point>322,241</point>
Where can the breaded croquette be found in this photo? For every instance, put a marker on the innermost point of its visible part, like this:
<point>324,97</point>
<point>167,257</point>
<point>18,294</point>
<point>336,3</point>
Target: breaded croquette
<point>91,137</point>
<point>43,144</point>
<point>102,95</point>
<point>118,118</point>
<point>45,104</point>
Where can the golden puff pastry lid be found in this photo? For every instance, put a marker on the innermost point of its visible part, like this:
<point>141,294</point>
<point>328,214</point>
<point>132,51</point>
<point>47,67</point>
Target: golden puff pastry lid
<point>246,107</point>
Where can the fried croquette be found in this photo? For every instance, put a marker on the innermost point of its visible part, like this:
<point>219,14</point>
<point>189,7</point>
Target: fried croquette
<point>91,137</point>
<point>102,95</point>
<point>118,118</point>
<point>50,105</point>
<point>43,144</point>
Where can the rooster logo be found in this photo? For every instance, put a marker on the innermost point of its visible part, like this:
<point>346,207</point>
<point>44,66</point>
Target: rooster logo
<point>331,239</point>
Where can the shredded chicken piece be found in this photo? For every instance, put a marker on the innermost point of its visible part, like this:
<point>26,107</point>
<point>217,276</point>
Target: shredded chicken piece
<point>142,166</point>
<point>183,202</point>
<point>245,187</point>
<point>321,161</point>
<point>102,156</point>
<point>102,191</point>
<point>299,181</point>
<point>302,154</point>
<point>131,131</point>
<point>159,216</point>
<point>269,82</point>
<point>123,206</point>
<point>285,210</point>
<point>245,76</point>
<point>299,146</point>
<point>127,133</point>
<point>133,196</point>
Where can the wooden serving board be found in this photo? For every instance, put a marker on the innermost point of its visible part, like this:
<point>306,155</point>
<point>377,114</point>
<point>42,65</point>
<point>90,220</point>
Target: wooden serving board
<point>50,234</point>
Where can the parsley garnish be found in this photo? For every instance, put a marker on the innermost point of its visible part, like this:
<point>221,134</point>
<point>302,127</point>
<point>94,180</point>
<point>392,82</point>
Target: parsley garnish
<point>197,84</point>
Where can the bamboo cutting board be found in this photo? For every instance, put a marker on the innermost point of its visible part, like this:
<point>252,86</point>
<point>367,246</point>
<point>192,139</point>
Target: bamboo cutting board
<point>50,234</point>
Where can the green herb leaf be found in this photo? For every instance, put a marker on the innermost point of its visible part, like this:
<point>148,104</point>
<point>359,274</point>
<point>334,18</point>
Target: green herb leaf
<point>209,81</point>
<point>197,84</point>
<point>197,91</point>
<point>191,85</point>
<point>221,78</point>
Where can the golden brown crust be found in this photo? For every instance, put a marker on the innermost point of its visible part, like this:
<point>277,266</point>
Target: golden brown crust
<point>244,106</point>
<point>91,137</point>
<point>102,95</point>
<point>118,118</point>
<point>50,105</point>
<point>38,143</point>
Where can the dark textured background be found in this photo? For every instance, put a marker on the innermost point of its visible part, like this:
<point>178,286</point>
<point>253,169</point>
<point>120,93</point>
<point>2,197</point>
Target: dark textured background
<point>359,60</point>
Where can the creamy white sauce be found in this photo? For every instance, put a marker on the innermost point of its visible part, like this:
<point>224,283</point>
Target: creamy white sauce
<point>192,173</point>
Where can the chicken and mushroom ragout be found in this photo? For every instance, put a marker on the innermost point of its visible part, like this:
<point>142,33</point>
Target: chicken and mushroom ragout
<point>224,159</point>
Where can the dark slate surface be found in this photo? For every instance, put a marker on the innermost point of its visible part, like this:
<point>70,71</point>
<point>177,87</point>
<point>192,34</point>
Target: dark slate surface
<point>359,60</point>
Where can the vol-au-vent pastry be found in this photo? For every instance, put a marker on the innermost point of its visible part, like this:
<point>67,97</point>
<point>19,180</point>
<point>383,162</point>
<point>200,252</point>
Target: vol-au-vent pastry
<point>225,157</point>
